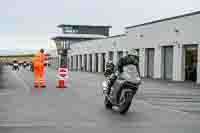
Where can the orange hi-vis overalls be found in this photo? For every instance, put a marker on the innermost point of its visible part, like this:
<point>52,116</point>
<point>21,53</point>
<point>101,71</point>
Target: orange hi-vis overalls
<point>38,64</point>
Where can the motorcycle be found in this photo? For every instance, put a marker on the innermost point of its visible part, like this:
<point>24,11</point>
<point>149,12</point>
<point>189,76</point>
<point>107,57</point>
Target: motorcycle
<point>15,67</point>
<point>31,67</point>
<point>24,65</point>
<point>122,91</point>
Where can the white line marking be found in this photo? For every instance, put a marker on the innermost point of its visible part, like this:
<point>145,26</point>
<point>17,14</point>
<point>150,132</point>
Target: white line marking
<point>163,108</point>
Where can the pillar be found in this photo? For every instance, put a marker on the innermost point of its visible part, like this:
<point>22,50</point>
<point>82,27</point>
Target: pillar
<point>100,62</point>
<point>157,62</point>
<point>142,61</point>
<point>88,62</point>
<point>79,62</point>
<point>178,63</point>
<point>93,63</point>
<point>74,62</point>
<point>69,63</point>
<point>198,65</point>
<point>115,57</point>
<point>59,60</point>
<point>106,57</point>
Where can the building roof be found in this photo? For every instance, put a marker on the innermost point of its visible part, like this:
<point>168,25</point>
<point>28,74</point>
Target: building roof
<point>166,19</point>
<point>65,25</point>
<point>74,36</point>
<point>120,35</point>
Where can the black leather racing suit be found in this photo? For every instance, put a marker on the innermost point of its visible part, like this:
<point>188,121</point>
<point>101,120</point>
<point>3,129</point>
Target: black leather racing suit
<point>109,69</point>
<point>123,61</point>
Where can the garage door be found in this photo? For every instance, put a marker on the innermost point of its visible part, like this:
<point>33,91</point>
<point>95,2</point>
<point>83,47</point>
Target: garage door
<point>103,61</point>
<point>97,62</point>
<point>168,62</point>
<point>150,62</point>
<point>90,63</point>
<point>85,64</point>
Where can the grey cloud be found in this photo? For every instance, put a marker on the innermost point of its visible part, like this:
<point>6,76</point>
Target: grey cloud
<point>30,21</point>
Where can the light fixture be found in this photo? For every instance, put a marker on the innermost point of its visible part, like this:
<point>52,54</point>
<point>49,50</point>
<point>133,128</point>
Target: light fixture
<point>176,30</point>
<point>179,45</point>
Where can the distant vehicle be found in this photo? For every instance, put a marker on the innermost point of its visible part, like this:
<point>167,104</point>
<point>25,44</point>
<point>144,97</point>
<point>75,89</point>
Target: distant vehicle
<point>15,66</point>
<point>25,64</point>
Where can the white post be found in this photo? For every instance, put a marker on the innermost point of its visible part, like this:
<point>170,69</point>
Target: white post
<point>93,63</point>
<point>157,63</point>
<point>74,62</point>
<point>79,62</point>
<point>88,62</point>
<point>59,60</point>
<point>198,65</point>
<point>115,57</point>
<point>106,58</point>
<point>69,63</point>
<point>177,63</point>
<point>142,61</point>
<point>100,62</point>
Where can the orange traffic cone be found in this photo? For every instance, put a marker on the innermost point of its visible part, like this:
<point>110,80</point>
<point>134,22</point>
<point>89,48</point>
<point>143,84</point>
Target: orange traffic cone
<point>62,74</point>
<point>61,83</point>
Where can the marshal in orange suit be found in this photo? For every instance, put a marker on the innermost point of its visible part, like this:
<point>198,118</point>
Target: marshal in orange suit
<point>38,64</point>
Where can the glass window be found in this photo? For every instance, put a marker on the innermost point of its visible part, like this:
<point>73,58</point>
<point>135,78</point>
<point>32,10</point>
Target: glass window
<point>67,29</point>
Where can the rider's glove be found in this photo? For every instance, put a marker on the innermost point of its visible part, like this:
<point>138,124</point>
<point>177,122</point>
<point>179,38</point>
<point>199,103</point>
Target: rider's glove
<point>117,73</point>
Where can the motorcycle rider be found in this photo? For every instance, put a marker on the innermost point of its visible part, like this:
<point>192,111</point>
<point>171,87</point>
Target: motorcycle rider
<point>15,65</point>
<point>131,58</point>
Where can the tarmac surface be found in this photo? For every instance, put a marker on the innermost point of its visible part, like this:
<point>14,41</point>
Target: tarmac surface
<point>159,106</point>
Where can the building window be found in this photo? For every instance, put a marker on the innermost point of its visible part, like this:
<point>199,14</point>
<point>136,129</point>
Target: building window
<point>70,30</point>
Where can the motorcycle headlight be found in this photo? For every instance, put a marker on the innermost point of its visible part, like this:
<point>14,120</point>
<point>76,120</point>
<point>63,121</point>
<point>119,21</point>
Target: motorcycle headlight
<point>139,80</point>
<point>105,84</point>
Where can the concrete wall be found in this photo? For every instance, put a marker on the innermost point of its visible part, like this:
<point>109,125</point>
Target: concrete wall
<point>163,34</point>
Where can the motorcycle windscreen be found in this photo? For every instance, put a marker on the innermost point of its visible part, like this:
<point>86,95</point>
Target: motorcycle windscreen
<point>131,74</point>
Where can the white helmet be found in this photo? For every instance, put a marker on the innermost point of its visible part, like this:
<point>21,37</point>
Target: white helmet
<point>133,52</point>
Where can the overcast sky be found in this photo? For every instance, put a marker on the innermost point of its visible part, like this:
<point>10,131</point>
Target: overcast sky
<point>28,23</point>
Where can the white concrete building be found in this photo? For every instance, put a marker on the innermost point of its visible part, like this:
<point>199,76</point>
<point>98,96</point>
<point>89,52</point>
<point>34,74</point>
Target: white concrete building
<point>54,57</point>
<point>169,49</point>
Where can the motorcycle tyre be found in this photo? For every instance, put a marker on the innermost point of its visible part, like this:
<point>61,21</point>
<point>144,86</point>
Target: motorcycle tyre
<point>108,104</point>
<point>127,105</point>
<point>125,110</point>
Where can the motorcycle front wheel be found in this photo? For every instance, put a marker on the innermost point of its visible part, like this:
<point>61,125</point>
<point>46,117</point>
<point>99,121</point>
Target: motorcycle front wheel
<point>107,103</point>
<point>126,105</point>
